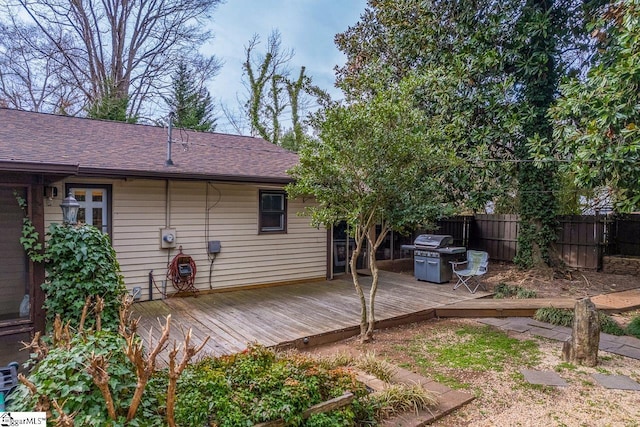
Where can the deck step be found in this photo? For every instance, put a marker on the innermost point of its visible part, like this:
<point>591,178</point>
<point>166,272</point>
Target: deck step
<point>506,307</point>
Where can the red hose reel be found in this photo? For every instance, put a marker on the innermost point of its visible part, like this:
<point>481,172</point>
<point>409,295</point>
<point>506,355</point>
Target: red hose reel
<point>182,273</point>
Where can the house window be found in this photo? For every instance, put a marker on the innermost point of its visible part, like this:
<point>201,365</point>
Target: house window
<point>94,203</point>
<point>273,211</point>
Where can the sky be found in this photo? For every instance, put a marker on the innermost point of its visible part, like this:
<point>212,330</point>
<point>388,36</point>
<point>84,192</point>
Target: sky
<point>306,26</point>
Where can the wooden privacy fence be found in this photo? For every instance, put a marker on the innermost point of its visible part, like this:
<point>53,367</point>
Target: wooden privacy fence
<point>495,234</point>
<point>581,242</point>
<point>625,235</point>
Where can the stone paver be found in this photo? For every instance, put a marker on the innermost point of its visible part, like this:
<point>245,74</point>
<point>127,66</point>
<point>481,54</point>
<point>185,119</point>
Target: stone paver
<point>517,326</point>
<point>625,345</point>
<point>609,345</point>
<point>548,378</point>
<point>618,382</point>
<point>626,340</point>
<point>539,324</point>
<point>562,329</point>
<point>494,321</point>
<point>627,351</point>
<point>549,333</point>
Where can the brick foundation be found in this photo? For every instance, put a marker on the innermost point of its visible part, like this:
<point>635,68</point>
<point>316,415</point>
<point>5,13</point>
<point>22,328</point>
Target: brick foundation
<point>621,265</point>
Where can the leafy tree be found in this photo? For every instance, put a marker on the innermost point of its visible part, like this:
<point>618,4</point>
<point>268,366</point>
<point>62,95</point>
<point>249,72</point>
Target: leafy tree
<point>465,49</point>
<point>597,130</point>
<point>538,74</point>
<point>112,52</point>
<point>500,63</point>
<point>191,102</point>
<point>375,163</point>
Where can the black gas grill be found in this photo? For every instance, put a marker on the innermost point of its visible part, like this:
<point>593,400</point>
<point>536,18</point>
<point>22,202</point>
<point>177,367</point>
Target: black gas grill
<point>432,253</point>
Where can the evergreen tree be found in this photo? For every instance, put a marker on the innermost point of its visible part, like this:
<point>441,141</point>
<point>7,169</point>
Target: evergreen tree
<point>110,107</point>
<point>497,65</point>
<point>597,118</point>
<point>191,102</point>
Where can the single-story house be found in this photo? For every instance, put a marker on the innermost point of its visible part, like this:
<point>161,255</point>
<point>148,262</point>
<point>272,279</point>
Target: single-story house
<point>219,198</point>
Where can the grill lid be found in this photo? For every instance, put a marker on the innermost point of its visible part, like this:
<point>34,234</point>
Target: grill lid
<point>433,241</point>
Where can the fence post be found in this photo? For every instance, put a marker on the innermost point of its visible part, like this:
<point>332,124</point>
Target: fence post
<point>598,238</point>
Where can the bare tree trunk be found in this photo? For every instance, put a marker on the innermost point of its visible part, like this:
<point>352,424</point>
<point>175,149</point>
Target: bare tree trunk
<point>353,265</point>
<point>371,321</point>
<point>144,364</point>
<point>374,243</point>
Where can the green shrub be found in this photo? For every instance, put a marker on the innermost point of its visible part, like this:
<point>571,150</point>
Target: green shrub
<point>62,375</point>
<point>255,386</point>
<point>260,385</point>
<point>503,290</point>
<point>633,328</point>
<point>609,326</point>
<point>555,316</point>
<point>564,317</point>
<point>81,263</point>
<point>523,293</point>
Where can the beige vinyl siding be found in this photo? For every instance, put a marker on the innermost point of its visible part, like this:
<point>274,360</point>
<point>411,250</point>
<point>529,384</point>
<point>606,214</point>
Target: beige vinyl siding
<point>246,258</point>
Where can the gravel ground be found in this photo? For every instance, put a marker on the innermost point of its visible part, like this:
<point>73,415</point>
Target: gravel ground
<point>503,398</point>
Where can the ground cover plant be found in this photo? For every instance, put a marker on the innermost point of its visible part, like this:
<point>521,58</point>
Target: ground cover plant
<point>504,290</point>
<point>502,396</point>
<point>564,317</point>
<point>98,378</point>
<point>633,328</point>
<point>444,354</point>
<point>61,384</point>
<point>260,385</point>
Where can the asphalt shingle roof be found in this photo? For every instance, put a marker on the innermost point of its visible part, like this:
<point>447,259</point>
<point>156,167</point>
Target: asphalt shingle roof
<point>105,148</point>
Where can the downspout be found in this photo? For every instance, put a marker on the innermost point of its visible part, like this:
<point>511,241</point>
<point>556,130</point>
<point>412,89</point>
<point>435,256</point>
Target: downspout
<point>167,205</point>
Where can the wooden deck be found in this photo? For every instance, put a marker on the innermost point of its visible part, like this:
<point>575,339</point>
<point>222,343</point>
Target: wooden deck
<point>309,313</point>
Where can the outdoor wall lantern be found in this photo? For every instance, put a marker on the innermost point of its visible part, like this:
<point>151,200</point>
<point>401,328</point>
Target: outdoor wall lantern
<point>70,208</point>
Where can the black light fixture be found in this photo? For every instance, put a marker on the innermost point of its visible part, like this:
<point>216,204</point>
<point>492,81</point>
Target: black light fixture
<point>70,208</point>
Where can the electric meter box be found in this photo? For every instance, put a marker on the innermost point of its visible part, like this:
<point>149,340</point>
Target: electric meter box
<point>167,238</point>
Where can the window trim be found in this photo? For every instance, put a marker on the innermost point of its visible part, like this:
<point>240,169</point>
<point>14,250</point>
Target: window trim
<point>109,208</point>
<point>282,212</point>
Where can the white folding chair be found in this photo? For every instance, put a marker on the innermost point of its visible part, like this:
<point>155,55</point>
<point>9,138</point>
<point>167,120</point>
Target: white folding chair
<point>476,265</point>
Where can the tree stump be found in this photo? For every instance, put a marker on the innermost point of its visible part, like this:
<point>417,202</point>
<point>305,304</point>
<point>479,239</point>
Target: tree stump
<point>582,347</point>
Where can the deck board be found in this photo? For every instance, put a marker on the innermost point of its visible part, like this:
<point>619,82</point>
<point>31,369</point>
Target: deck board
<point>283,314</point>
